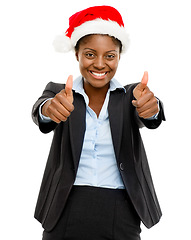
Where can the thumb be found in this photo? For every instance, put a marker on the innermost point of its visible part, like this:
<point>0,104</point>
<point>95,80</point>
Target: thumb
<point>68,87</point>
<point>142,85</point>
<point>145,79</point>
<point>137,92</point>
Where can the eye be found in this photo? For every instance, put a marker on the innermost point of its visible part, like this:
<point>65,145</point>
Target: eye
<point>89,55</point>
<point>110,56</point>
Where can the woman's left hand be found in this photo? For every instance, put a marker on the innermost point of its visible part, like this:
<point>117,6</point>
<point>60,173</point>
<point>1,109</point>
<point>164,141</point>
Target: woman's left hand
<point>146,104</point>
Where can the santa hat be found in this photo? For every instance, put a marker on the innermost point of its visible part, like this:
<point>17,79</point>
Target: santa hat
<point>94,20</point>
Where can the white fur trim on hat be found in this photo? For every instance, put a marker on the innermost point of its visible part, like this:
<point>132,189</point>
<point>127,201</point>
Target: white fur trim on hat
<point>97,26</point>
<point>62,43</point>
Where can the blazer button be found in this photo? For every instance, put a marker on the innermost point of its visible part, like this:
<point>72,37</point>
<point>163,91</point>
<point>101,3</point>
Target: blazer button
<point>121,166</point>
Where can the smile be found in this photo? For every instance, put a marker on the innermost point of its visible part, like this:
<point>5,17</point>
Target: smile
<point>98,75</point>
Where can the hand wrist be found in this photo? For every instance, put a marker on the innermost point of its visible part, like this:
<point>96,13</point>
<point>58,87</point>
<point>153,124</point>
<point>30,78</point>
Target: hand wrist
<point>42,114</point>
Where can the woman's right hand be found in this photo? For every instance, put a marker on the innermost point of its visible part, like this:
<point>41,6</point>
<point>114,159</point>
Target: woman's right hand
<point>60,107</point>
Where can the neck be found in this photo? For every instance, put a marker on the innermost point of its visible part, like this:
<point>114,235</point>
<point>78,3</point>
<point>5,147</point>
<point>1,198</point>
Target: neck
<point>95,93</point>
<point>96,96</point>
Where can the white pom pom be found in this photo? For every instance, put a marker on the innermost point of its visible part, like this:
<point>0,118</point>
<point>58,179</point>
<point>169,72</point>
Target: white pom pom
<point>62,44</point>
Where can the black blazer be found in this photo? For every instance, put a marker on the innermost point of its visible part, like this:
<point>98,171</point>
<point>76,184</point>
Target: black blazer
<point>64,156</point>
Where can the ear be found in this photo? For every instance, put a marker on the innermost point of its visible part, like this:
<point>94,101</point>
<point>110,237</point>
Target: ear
<point>76,54</point>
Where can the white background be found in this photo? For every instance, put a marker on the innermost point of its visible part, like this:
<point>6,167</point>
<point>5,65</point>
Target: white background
<point>160,43</point>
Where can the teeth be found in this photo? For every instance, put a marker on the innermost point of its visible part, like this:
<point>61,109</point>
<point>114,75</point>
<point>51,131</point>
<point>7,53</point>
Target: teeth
<point>98,74</point>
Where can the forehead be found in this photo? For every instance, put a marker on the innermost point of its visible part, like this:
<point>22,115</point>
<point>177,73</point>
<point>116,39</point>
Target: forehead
<point>98,41</point>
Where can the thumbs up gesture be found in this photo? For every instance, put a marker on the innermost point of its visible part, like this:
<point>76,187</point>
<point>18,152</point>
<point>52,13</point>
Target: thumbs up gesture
<point>145,103</point>
<point>60,107</point>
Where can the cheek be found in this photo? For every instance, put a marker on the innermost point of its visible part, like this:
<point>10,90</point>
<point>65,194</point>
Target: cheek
<point>114,65</point>
<point>83,63</point>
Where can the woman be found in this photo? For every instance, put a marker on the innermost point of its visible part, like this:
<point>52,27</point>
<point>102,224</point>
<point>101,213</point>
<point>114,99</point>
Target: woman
<point>97,183</point>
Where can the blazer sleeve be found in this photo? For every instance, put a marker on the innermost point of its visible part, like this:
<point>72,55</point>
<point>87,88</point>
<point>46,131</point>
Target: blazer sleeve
<point>50,91</point>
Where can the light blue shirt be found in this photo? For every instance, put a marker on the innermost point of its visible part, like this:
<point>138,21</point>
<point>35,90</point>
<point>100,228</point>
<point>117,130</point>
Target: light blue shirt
<point>98,166</point>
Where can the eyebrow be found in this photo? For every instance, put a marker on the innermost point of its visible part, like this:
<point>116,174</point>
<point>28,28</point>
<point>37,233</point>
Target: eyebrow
<point>96,51</point>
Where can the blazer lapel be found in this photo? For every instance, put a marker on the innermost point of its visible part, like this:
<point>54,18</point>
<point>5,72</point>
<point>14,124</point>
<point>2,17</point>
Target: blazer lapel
<point>77,126</point>
<point>115,110</point>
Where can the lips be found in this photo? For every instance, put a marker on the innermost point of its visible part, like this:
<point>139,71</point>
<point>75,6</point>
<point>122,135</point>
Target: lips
<point>98,75</point>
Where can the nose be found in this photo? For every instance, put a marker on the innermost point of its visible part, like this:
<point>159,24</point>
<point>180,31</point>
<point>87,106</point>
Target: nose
<point>99,62</point>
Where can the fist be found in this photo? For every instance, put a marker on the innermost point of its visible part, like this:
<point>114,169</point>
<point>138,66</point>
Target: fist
<point>146,104</point>
<point>60,107</point>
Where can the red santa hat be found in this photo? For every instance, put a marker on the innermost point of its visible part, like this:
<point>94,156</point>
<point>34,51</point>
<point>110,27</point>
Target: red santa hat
<point>94,20</point>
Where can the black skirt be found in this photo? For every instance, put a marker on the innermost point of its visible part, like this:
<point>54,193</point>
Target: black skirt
<point>93,213</point>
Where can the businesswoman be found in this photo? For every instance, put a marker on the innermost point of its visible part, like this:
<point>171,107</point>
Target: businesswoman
<point>97,183</point>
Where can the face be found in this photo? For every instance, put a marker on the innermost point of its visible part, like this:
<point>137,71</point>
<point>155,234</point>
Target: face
<point>98,57</point>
